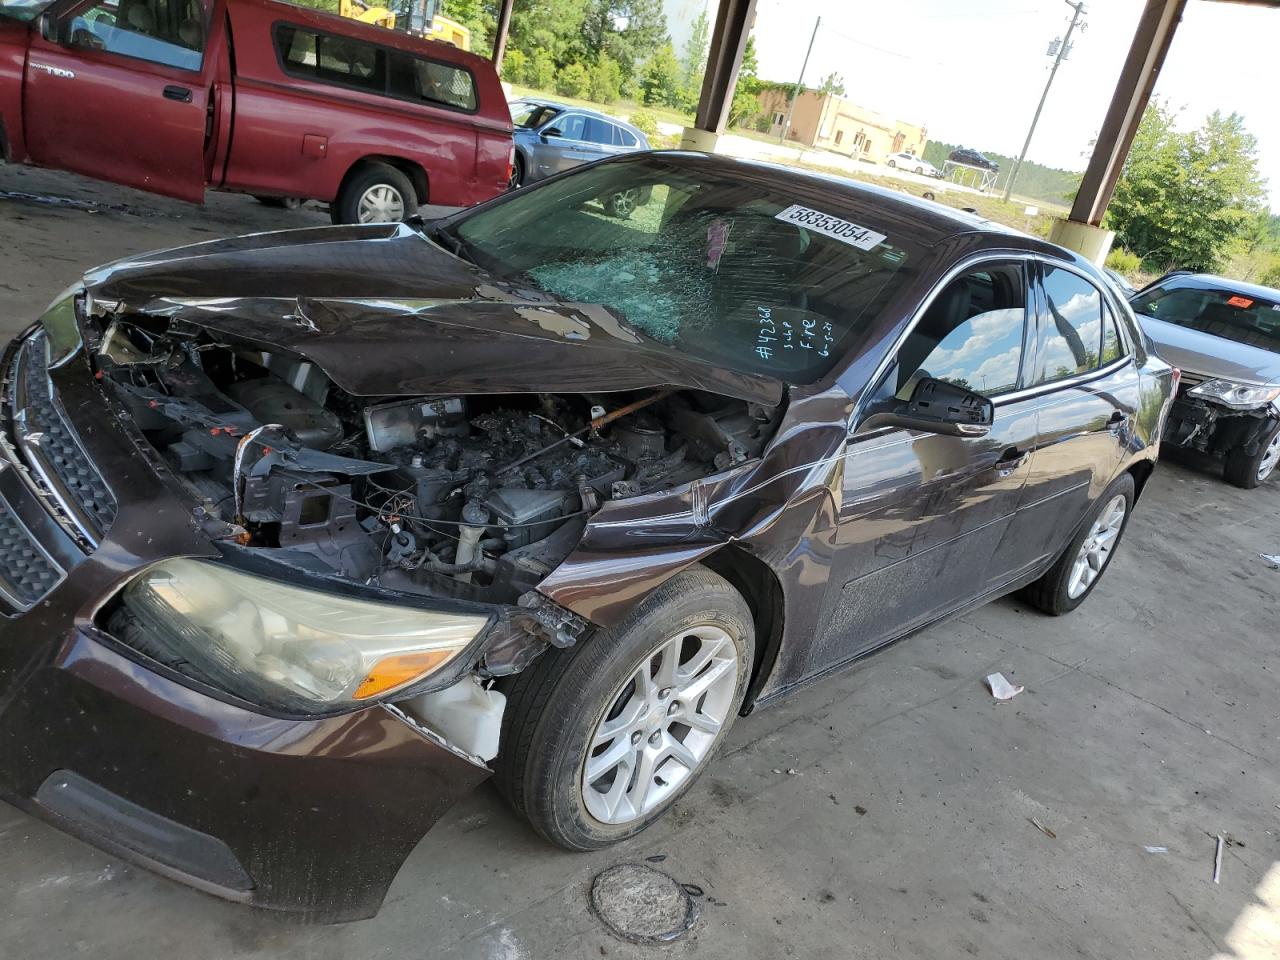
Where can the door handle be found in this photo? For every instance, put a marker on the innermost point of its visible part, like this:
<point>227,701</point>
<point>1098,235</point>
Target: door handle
<point>1011,460</point>
<point>174,92</point>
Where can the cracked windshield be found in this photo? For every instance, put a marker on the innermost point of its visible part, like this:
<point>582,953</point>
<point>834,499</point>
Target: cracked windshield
<point>731,272</point>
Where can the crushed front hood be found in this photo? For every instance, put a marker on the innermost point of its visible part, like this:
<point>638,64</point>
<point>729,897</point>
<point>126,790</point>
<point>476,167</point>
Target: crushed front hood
<point>1209,356</point>
<point>385,312</point>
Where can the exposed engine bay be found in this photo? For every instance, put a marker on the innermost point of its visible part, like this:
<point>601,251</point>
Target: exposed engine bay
<point>473,497</point>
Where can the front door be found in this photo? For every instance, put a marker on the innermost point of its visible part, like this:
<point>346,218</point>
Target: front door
<point>120,93</point>
<point>923,517</point>
<point>567,144</point>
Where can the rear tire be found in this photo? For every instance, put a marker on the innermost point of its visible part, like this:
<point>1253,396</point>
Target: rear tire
<point>1245,470</point>
<point>1061,590</point>
<point>376,193</point>
<point>604,701</point>
<point>623,203</point>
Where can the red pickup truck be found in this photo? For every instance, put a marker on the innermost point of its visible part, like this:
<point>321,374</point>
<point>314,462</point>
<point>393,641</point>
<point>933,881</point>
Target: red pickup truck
<point>253,96</point>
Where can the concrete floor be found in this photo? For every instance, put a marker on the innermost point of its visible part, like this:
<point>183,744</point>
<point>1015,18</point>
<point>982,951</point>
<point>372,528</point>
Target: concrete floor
<point>1150,718</point>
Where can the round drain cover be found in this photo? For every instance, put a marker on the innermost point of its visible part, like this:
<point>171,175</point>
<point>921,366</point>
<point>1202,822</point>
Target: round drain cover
<point>642,904</point>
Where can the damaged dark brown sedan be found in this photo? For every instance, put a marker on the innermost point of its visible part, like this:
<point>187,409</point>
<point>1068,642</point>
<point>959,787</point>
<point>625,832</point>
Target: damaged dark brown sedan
<point>304,532</point>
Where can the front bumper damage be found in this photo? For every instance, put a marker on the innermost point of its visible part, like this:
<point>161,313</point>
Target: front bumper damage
<point>1214,429</point>
<point>312,816</point>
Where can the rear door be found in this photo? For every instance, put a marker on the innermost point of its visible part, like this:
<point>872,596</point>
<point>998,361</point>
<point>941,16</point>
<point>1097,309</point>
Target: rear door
<point>121,92</point>
<point>1087,387</point>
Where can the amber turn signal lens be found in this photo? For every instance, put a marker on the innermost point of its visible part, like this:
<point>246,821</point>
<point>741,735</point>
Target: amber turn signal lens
<point>397,670</point>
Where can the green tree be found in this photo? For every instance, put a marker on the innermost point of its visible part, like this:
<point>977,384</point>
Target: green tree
<point>1185,197</point>
<point>541,72</point>
<point>694,62</point>
<point>626,30</point>
<point>660,85</point>
<point>479,16</point>
<point>606,80</point>
<point>832,83</point>
<point>515,67</point>
<point>552,28</point>
<point>745,108</point>
<point>573,81</point>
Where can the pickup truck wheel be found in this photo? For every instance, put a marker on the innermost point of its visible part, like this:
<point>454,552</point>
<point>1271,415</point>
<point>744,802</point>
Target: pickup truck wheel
<point>599,740</point>
<point>377,193</point>
<point>1081,565</point>
<point>1248,470</point>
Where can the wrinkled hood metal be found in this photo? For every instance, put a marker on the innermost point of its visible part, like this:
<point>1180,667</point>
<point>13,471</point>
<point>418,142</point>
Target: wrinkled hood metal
<point>383,311</point>
<point>1209,356</point>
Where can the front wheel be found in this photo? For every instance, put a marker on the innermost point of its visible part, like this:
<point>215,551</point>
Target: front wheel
<point>1247,470</point>
<point>600,740</point>
<point>517,173</point>
<point>377,193</point>
<point>1080,566</point>
<point>893,163</point>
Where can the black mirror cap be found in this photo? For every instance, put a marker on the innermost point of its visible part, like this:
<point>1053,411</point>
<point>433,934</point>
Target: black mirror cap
<point>551,132</point>
<point>937,406</point>
<point>47,27</point>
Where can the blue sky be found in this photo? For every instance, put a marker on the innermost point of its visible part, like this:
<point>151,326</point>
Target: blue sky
<point>972,71</point>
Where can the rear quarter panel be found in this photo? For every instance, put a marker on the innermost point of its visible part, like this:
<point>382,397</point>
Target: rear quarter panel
<point>463,155</point>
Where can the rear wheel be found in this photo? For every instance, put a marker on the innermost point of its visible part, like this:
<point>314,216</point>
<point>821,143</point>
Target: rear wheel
<point>1248,470</point>
<point>623,203</point>
<point>376,193</point>
<point>1080,566</point>
<point>601,739</point>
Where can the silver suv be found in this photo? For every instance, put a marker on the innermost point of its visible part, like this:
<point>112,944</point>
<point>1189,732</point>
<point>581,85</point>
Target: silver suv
<point>1225,336</point>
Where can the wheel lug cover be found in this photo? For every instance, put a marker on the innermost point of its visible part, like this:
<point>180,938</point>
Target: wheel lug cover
<point>664,692</point>
<point>655,737</point>
<point>675,707</point>
<point>635,738</point>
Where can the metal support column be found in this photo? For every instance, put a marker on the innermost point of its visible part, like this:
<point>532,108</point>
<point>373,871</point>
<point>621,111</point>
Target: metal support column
<point>728,41</point>
<point>1150,45</point>
<point>501,31</point>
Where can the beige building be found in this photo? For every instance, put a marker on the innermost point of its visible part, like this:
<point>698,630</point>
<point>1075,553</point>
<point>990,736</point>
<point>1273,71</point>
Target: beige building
<point>834,123</point>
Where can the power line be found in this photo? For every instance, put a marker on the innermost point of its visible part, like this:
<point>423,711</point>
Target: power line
<point>1077,11</point>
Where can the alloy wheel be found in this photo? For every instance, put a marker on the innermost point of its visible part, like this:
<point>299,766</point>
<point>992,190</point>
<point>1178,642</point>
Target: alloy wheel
<point>1270,457</point>
<point>623,203</point>
<point>381,203</point>
<point>1096,549</point>
<point>661,725</point>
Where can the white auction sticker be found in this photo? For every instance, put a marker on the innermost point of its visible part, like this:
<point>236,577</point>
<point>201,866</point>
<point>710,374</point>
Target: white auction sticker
<point>834,227</point>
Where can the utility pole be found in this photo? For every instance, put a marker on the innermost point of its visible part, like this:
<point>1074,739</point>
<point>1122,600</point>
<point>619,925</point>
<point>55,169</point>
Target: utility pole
<point>1078,12</point>
<point>795,94</point>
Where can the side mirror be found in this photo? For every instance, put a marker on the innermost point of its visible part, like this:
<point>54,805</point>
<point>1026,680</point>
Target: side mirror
<point>48,27</point>
<point>551,132</point>
<point>937,406</point>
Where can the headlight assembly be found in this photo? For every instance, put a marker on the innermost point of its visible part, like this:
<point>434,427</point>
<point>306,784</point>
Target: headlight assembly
<point>287,647</point>
<point>1238,396</point>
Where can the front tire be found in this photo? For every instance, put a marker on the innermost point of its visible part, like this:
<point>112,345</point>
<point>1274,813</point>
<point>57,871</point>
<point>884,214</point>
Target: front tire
<point>376,193</point>
<point>1248,470</point>
<point>517,173</point>
<point>1081,565</point>
<point>601,739</point>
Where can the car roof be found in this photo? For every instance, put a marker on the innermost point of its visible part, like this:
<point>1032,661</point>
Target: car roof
<point>556,105</point>
<point>1209,281</point>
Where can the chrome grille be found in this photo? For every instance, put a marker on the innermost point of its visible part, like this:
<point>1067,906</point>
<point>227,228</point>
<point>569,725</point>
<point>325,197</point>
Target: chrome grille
<point>71,483</point>
<point>26,572</point>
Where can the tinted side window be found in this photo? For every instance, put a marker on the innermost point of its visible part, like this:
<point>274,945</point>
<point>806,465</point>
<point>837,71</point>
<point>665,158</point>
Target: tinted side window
<point>1070,327</point>
<point>624,138</point>
<point>413,78</point>
<point>1112,345</point>
<point>172,34</point>
<point>971,335</point>
<point>598,131</point>
<point>571,127</point>
<point>332,59</point>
